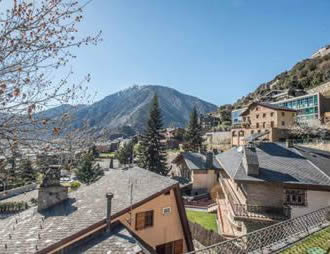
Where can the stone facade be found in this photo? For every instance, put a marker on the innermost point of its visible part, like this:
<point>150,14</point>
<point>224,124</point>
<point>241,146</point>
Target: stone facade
<point>261,119</point>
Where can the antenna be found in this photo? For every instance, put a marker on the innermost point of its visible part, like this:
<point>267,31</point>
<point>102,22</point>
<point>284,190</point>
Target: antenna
<point>130,185</point>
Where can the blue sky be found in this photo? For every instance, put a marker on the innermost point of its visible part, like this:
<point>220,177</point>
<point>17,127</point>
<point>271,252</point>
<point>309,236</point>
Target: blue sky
<point>217,50</point>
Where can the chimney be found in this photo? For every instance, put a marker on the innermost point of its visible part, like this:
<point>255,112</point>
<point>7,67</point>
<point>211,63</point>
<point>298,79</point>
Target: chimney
<point>289,143</point>
<point>250,160</point>
<point>209,160</point>
<point>109,197</point>
<point>51,192</point>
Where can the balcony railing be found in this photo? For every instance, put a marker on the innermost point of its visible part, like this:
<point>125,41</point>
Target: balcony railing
<point>273,238</point>
<point>262,212</point>
<point>255,211</point>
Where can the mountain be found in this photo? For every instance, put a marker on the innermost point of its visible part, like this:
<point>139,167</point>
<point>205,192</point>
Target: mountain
<point>130,107</point>
<point>304,75</point>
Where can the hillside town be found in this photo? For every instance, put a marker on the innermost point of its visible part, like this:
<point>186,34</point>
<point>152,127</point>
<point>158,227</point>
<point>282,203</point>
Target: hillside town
<point>149,169</point>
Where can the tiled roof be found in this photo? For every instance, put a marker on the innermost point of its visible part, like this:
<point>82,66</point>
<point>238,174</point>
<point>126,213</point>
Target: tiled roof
<point>30,230</point>
<point>118,240</point>
<point>268,105</point>
<point>198,161</point>
<point>277,164</point>
<point>318,157</point>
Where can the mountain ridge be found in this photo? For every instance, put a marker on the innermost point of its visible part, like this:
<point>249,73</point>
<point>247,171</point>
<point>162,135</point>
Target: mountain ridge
<point>130,107</point>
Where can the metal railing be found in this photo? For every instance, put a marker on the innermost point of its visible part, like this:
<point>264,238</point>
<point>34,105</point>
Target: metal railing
<point>256,211</point>
<point>273,238</point>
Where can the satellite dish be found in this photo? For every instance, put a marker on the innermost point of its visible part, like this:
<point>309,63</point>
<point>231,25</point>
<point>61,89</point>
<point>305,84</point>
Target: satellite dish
<point>240,149</point>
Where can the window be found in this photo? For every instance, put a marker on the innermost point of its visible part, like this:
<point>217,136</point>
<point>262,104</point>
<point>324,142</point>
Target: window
<point>257,116</point>
<point>257,125</point>
<point>175,247</point>
<point>252,132</point>
<point>271,114</point>
<point>166,211</point>
<point>257,108</point>
<point>241,134</point>
<point>295,197</point>
<point>264,115</point>
<point>283,123</point>
<point>144,220</point>
<point>283,113</point>
<point>234,133</point>
<point>264,125</point>
<point>259,131</point>
<point>272,124</point>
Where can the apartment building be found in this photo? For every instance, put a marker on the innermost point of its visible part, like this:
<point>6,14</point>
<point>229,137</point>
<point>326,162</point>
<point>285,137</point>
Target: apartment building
<point>309,107</point>
<point>126,211</point>
<point>271,120</point>
<point>267,182</point>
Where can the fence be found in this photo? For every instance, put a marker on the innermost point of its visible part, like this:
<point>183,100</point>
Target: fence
<point>204,236</point>
<point>271,238</point>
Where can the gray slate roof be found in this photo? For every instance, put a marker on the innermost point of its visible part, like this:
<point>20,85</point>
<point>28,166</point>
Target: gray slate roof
<point>277,164</point>
<point>30,230</point>
<point>198,161</point>
<point>117,241</point>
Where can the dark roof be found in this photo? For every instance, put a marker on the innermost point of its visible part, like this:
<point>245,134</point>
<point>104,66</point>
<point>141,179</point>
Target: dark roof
<point>277,164</point>
<point>268,105</point>
<point>197,161</point>
<point>31,230</point>
<point>318,157</point>
<point>256,136</point>
<point>118,240</point>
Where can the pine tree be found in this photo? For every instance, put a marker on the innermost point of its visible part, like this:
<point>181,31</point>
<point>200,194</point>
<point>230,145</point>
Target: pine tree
<point>152,154</point>
<point>194,133</point>
<point>125,153</point>
<point>86,171</point>
<point>27,171</point>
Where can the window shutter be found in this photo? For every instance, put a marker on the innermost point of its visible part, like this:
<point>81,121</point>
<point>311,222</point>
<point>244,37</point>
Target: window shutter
<point>178,247</point>
<point>139,221</point>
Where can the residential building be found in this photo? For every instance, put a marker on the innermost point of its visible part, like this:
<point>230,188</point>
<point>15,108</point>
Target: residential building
<point>271,120</point>
<point>309,107</point>
<point>268,182</point>
<point>236,118</point>
<point>126,211</point>
<point>209,120</point>
<point>201,169</point>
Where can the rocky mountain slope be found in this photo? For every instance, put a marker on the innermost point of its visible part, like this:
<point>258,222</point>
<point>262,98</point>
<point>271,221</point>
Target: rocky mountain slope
<point>306,74</point>
<point>130,107</point>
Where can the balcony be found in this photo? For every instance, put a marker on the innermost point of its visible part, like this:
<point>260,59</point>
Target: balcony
<point>243,211</point>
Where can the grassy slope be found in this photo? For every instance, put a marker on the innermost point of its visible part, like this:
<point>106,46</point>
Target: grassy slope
<point>318,241</point>
<point>207,220</point>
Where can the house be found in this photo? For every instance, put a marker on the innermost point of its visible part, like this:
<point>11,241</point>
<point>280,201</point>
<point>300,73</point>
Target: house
<point>201,169</point>
<point>272,120</point>
<point>126,211</point>
<point>264,183</point>
<point>209,120</point>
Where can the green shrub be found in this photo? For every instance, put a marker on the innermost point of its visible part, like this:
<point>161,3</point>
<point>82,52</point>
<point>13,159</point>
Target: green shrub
<point>75,185</point>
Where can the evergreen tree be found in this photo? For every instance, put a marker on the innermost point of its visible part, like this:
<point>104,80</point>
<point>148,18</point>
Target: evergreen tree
<point>152,154</point>
<point>125,153</point>
<point>193,135</point>
<point>27,171</point>
<point>86,171</point>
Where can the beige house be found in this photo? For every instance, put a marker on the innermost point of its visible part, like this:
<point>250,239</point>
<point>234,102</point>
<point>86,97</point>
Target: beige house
<point>267,182</point>
<point>126,211</point>
<point>263,118</point>
<point>202,170</point>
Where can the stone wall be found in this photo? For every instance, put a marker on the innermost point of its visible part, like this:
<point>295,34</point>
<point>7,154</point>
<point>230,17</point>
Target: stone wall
<point>50,196</point>
<point>17,191</point>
